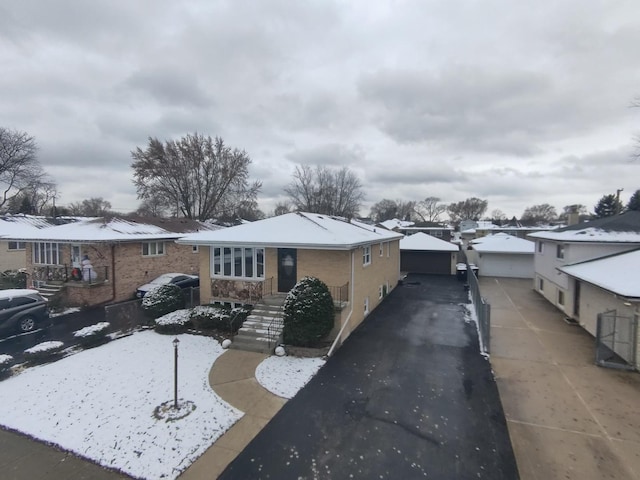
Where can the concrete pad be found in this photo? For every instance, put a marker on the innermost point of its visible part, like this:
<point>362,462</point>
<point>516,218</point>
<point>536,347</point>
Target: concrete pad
<point>517,343</point>
<point>548,453</point>
<point>612,397</point>
<point>575,349</point>
<point>241,393</point>
<point>235,365</point>
<point>538,393</point>
<point>217,459</point>
<point>242,433</point>
<point>267,405</point>
<point>630,453</point>
<point>506,317</point>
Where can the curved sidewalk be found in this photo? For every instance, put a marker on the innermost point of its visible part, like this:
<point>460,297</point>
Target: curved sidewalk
<point>232,377</point>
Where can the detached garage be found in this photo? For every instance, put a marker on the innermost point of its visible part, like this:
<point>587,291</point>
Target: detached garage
<point>422,253</point>
<point>502,255</point>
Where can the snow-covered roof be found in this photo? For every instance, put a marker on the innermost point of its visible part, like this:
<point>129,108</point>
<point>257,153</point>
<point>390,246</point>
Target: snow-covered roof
<point>426,229</point>
<point>103,230</point>
<point>296,230</point>
<point>396,223</point>
<point>623,228</point>
<point>424,242</point>
<point>503,243</point>
<point>618,273</point>
<point>20,225</point>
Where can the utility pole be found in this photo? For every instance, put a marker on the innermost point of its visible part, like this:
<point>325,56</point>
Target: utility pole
<point>618,200</point>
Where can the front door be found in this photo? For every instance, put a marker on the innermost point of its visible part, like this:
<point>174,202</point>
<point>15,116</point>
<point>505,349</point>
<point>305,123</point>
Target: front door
<point>287,269</point>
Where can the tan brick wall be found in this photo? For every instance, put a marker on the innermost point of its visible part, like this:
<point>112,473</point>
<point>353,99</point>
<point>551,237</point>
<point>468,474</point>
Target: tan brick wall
<point>133,269</point>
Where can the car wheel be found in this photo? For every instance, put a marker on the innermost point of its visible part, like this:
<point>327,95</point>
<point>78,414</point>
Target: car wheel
<point>27,324</point>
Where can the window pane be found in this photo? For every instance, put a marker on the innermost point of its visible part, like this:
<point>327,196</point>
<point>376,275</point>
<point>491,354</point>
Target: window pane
<point>145,249</point>
<point>217,261</point>
<point>160,248</point>
<point>248,262</point>
<point>227,262</point>
<point>237,262</point>
<point>260,262</point>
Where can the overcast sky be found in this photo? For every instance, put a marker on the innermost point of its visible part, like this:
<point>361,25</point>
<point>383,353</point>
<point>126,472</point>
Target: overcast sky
<point>519,103</point>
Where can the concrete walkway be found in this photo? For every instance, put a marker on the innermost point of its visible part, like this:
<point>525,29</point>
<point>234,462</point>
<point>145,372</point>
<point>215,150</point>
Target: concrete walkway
<point>567,418</point>
<point>232,377</point>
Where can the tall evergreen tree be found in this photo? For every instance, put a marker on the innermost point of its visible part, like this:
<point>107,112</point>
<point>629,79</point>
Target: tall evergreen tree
<point>608,206</point>
<point>634,201</point>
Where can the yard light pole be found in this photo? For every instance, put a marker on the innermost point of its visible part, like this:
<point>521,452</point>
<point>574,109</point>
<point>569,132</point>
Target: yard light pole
<point>175,373</point>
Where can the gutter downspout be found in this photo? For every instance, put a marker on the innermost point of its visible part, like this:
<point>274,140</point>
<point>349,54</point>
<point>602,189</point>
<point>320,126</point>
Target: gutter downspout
<point>346,322</point>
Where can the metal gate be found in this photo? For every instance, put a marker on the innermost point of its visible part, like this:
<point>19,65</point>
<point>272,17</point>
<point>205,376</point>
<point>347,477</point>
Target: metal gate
<point>616,341</point>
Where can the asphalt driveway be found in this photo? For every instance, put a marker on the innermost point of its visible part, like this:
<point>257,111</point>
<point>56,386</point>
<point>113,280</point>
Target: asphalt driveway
<point>407,396</point>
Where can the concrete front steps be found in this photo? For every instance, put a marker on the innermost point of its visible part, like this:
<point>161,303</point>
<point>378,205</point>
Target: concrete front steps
<point>49,290</point>
<point>253,336</point>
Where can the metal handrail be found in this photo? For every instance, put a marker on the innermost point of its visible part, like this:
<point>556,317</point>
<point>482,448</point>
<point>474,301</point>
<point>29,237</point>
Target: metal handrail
<point>274,329</point>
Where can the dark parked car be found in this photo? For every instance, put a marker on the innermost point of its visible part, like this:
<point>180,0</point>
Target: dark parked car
<point>21,310</point>
<point>180,279</point>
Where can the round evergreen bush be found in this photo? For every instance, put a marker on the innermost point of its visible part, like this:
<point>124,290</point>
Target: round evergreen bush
<point>173,323</point>
<point>162,300</point>
<point>213,317</point>
<point>308,313</point>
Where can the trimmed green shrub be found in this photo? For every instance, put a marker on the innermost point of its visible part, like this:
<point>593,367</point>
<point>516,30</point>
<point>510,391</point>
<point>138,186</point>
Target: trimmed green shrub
<point>162,300</point>
<point>173,323</point>
<point>214,317</point>
<point>308,313</point>
<point>44,352</point>
<point>93,335</point>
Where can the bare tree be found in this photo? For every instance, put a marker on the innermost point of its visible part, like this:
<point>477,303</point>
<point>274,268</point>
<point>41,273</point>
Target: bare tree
<point>324,190</point>
<point>19,167</point>
<point>430,209</point>
<point>36,198</point>
<point>470,209</point>
<point>387,209</point>
<point>91,207</point>
<point>543,213</point>
<point>201,176</point>
<point>281,208</point>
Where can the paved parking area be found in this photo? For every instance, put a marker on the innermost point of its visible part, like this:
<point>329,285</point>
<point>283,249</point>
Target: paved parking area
<point>567,418</point>
<point>407,396</point>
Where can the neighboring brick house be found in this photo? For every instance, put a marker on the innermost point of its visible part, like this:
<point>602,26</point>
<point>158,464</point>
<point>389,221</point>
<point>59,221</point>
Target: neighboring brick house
<point>360,263</point>
<point>585,269</point>
<point>123,254</point>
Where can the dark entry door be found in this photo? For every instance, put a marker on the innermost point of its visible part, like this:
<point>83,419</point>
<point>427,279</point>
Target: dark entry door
<point>287,269</point>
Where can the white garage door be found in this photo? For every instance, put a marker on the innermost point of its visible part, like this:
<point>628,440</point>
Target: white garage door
<point>503,265</point>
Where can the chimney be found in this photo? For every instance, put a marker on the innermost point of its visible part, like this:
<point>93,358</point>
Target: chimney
<point>573,218</point>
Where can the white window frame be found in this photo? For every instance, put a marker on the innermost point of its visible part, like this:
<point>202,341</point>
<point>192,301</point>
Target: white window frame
<point>381,249</point>
<point>388,249</point>
<point>46,253</point>
<point>231,269</point>
<point>540,246</point>
<point>366,306</point>
<point>561,297</point>
<point>195,248</point>
<point>560,251</point>
<point>153,249</point>
<point>541,284</point>
<point>380,292</point>
<point>366,255</point>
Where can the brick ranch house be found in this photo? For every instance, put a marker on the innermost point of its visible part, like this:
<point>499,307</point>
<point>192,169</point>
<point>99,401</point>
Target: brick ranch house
<point>359,263</point>
<point>123,253</point>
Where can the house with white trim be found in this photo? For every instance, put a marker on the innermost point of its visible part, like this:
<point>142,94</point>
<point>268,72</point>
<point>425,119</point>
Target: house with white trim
<point>360,263</point>
<point>582,268</point>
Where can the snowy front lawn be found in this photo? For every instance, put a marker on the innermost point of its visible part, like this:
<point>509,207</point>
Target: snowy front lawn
<point>100,404</point>
<point>284,376</point>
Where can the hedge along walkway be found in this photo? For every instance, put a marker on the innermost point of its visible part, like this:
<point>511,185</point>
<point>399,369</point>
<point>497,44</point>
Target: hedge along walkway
<point>232,377</point>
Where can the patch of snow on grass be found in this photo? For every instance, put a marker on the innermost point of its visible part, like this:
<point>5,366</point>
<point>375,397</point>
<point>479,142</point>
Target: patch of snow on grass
<point>284,376</point>
<point>66,311</point>
<point>100,403</point>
